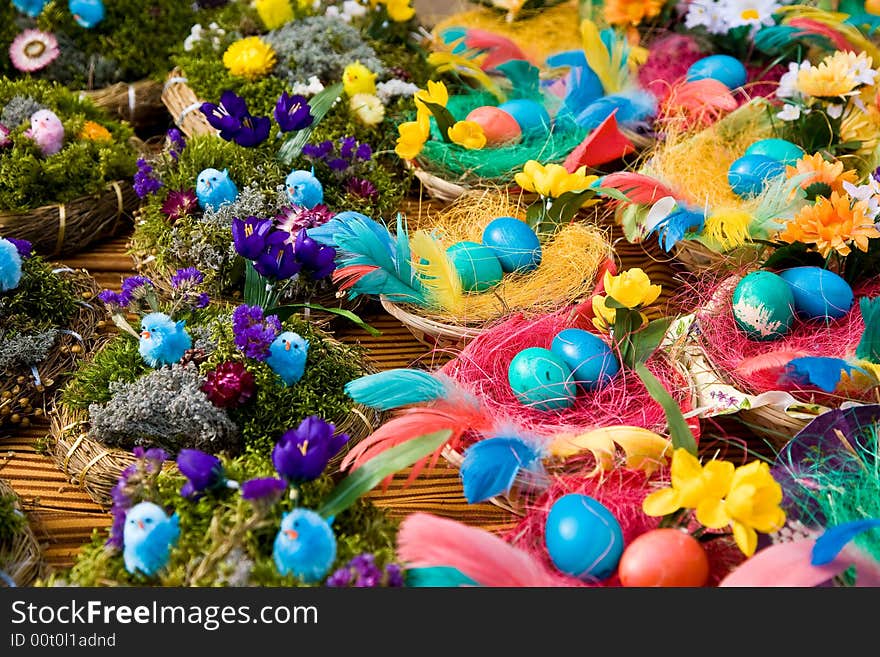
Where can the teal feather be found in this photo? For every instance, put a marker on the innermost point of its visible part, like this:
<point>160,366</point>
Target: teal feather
<point>524,78</point>
<point>869,345</point>
<point>395,388</point>
<point>829,544</point>
<point>776,39</point>
<point>437,577</point>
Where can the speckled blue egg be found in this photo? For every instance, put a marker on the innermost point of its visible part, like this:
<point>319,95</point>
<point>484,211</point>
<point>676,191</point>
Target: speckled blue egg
<point>780,150</point>
<point>748,175</point>
<point>533,119</point>
<point>514,244</point>
<point>590,359</point>
<point>724,68</point>
<point>763,305</point>
<point>583,538</point>
<point>818,293</point>
<point>540,379</point>
<point>478,267</point>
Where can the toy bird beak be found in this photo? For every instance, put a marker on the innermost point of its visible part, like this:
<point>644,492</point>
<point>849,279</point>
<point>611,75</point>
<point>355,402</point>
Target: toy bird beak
<point>291,534</point>
<point>286,346</point>
<point>145,335</point>
<point>140,524</point>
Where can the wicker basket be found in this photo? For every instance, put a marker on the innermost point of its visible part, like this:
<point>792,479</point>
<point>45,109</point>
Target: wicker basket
<point>183,105</point>
<point>429,332</point>
<point>21,560</point>
<point>698,258</point>
<point>139,103</point>
<point>24,398</point>
<point>68,228</point>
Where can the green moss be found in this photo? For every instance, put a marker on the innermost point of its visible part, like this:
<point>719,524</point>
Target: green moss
<point>29,180</point>
<point>11,520</point>
<point>42,300</point>
<point>119,360</point>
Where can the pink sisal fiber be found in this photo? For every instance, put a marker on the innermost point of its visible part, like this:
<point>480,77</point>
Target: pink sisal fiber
<point>482,368</point>
<point>669,58</point>
<point>426,541</point>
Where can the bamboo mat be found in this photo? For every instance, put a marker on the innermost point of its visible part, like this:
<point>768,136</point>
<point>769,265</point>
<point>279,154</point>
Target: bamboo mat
<point>64,517</point>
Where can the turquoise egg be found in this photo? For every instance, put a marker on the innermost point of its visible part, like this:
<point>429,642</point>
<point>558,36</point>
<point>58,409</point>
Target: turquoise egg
<point>724,68</point>
<point>541,379</point>
<point>533,119</point>
<point>583,538</point>
<point>777,149</point>
<point>590,359</point>
<point>748,175</point>
<point>763,305</point>
<point>478,267</point>
<point>514,244</point>
<point>818,293</point>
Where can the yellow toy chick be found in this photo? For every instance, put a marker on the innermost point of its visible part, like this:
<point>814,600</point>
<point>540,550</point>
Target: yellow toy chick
<point>358,79</point>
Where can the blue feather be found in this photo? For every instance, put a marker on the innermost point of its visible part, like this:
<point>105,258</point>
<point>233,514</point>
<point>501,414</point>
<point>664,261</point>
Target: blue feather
<point>584,86</point>
<point>631,106</point>
<point>395,388</point>
<point>867,23</point>
<point>490,466</point>
<point>819,371</point>
<point>437,577</point>
<point>676,225</point>
<point>452,34</point>
<point>830,543</point>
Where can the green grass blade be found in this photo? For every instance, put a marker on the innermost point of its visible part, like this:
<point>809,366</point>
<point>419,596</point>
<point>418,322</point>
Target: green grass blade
<point>679,432</point>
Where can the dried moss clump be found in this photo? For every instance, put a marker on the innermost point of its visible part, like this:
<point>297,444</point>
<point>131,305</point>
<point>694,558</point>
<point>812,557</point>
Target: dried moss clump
<point>42,300</point>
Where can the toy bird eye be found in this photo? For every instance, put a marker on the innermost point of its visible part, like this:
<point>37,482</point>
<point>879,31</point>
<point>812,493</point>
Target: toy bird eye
<point>148,520</point>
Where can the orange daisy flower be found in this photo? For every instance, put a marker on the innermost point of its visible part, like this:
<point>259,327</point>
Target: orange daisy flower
<point>630,12</point>
<point>832,225</point>
<point>95,132</point>
<point>822,172</point>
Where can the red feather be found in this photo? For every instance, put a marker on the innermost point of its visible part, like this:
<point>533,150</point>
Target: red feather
<point>498,49</point>
<point>603,145</point>
<point>637,187</point>
<point>427,541</point>
<point>700,101</point>
<point>348,276</point>
<point>764,370</point>
<point>815,27</point>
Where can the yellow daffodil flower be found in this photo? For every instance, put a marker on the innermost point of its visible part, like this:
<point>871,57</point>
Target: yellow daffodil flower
<point>435,93</point>
<point>249,58</point>
<point>413,135</point>
<point>631,288</point>
<point>750,506</point>
<point>552,180</point>
<point>468,134</point>
<point>274,13</point>
<point>693,484</point>
<point>603,316</point>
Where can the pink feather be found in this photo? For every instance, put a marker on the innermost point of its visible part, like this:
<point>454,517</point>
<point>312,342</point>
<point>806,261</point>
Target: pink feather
<point>815,27</point>
<point>498,49</point>
<point>764,370</point>
<point>702,101</point>
<point>426,541</point>
<point>638,187</point>
<point>788,565</point>
<point>348,276</point>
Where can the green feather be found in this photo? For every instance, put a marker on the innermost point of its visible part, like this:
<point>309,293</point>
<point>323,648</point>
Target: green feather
<point>869,345</point>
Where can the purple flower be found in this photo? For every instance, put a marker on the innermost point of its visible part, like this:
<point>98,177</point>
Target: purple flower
<point>338,164</point>
<point>363,188</point>
<point>254,131</point>
<point>318,151</point>
<point>144,183</point>
<point>393,575</point>
<point>267,490</point>
<point>249,236</point>
<point>24,248</point>
<point>235,123</point>
<point>187,276</point>
<point>316,258</point>
<point>363,152</point>
<point>277,261</point>
<point>179,203</point>
<point>203,472</point>
<point>362,571</point>
<point>340,578</point>
<point>229,385</point>
<point>346,147</point>
<point>293,218</point>
<point>301,454</point>
<point>177,141</point>
<point>4,136</point>
<point>132,283</point>
<point>254,333</point>
<point>293,113</point>
<point>876,174</point>
<point>130,488</point>
<point>113,299</point>
<point>202,300</point>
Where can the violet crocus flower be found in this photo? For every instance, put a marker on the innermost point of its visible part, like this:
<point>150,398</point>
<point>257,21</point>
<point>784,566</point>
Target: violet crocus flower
<point>202,470</point>
<point>278,261</point>
<point>302,454</point>
<point>235,123</point>
<point>316,258</point>
<point>253,132</point>
<point>266,490</point>
<point>249,236</point>
<point>293,112</point>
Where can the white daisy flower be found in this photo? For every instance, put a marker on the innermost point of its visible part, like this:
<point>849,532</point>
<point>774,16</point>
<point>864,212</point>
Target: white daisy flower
<point>788,82</point>
<point>789,113</point>
<point>834,111</point>
<point>706,13</point>
<point>739,13</point>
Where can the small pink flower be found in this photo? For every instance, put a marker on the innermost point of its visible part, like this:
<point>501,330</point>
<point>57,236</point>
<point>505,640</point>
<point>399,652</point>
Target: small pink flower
<point>33,50</point>
<point>4,136</point>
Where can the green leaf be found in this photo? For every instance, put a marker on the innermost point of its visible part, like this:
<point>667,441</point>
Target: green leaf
<point>254,285</point>
<point>444,119</point>
<point>287,310</point>
<point>535,215</point>
<point>793,255</point>
<point>371,473</point>
<point>646,341</point>
<point>611,302</point>
<point>567,205</point>
<point>679,432</point>
<point>319,105</point>
<point>616,194</point>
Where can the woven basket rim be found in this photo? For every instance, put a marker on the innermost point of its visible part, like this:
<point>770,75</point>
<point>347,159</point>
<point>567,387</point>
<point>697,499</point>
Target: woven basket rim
<point>25,554</point>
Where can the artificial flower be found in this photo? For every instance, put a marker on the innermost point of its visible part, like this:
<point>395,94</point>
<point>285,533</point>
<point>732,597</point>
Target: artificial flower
<point>33,50</point>
<point>831,78</point>
<point>413,135</point>
<point>862,127</point>
<point>278,261</point>
<point>692,484</point>
<point>95,132</point>
<point>293,218</point>
<point>822,172</point>
<point>832,224</point>
<point>869,193</point>
<point>229,385</point>
<point>24,247</point>
<point>368,109</point>
<point>249,236</point>
<point>751,505</point>
<point>552,180</point>
<point>144,182</point>
<point>187,277</point>
<point>250,58</point>
<point>303,453</point>
<point>709,14</point>
<point>274,13</point>
<point>293,113</point>
<point>434,93</point>
<point>254,333</point>
<point>631,288</point>
<point>468,134</point>
<point>235,123</point>
<point>203,472</point>
<point>4,136</point>
<point>176,142</point>
<point>362,572</point>
<point>630,12</point>
<point>753,13</point>
<point>789,113</point>
<point>179,203</point>
<point>265,490</point>
<point>317,259</point>
<point>362,188</point>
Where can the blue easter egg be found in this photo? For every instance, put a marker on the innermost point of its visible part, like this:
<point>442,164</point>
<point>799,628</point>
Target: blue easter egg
<point>763,305</point>
<point>477,266</point>
<point>748,175</point>
<point>514,244</point>
<point>724,68</point>
<point>533,119</point>
<point>590,359</point>
<point>583,538</point>
<point>818,293</point>
<point>541,379</point>
<point>777,149</point>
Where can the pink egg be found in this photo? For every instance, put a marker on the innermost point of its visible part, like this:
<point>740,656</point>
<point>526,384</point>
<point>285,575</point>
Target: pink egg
<point>664,557</point>
<point>499,126</point>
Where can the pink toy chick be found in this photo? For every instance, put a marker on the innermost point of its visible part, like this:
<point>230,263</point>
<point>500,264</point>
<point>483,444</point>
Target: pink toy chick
<point>46,130</point>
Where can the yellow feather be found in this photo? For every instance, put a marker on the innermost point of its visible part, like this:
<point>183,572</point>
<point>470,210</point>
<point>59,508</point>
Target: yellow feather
<point>597,55</point>
<point>643,449</point>
<point>447,61</point>
<point>436,272</point>
<point>834,20</point>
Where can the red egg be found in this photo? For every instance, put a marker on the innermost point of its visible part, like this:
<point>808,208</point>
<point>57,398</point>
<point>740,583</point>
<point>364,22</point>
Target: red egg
<point>498,126</point>
<point>664,557</point>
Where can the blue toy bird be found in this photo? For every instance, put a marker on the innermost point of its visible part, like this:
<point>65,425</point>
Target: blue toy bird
<point>10,266</point>
<point>148,537</point>
<point>32,8</point>
<point>287,356</point>
<point>163,341</point>
<point>215,188</point>
<point>304,189</point>
<point>305,546</point>
<point>87,13</point>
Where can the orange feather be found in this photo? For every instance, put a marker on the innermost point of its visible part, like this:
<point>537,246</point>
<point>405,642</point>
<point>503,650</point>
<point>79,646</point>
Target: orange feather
<point>701,101</point>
